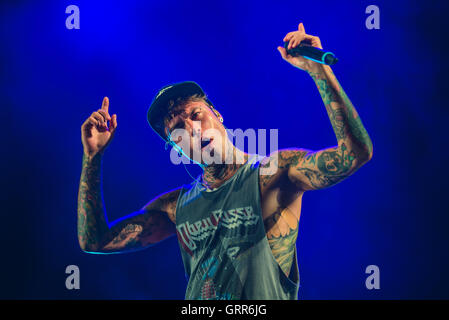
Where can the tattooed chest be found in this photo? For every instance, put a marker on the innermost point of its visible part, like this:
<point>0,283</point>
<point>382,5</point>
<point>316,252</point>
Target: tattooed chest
<point>281,209</point>
<point>281,229</point>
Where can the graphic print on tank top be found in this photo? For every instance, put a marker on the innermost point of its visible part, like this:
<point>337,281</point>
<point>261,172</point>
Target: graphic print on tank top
<point>223,243</point>
<point>191,235</point>
<point>213,275</point>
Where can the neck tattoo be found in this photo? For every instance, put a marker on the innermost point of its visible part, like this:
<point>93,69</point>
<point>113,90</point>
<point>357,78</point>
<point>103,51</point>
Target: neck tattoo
<point>215,175</point>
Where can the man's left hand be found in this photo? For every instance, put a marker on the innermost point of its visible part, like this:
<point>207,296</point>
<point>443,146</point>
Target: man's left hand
<point>294,38</point>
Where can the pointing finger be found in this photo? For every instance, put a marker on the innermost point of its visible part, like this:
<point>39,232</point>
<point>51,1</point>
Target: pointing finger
<point>301,28</point>
<point>105,104</point>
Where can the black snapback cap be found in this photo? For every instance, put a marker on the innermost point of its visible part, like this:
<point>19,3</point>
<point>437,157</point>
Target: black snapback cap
<point>159,106</point>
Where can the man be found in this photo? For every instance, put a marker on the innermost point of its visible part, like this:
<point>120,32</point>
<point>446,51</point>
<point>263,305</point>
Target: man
<point>236,226</point>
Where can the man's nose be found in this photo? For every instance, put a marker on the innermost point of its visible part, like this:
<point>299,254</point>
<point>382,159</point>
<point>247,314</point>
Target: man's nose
<point>194,128</point>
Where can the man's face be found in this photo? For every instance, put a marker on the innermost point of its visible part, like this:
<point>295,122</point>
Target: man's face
<point>199,124</point>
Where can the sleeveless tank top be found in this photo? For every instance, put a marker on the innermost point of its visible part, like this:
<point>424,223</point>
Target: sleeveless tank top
<point>223,242</point>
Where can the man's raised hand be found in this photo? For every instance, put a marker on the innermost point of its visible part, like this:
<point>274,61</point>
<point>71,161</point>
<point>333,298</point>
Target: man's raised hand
<point>95,132</point>
<point>294,38</point>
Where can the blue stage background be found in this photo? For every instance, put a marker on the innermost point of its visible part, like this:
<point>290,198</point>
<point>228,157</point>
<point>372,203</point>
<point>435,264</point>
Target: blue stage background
<point>392,213</point>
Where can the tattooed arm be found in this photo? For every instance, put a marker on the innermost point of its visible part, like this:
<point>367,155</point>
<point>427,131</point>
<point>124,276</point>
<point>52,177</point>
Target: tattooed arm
<point>287,173</point>
<point>153,223</point>
<point>311,170</point>
<point>321,169</point>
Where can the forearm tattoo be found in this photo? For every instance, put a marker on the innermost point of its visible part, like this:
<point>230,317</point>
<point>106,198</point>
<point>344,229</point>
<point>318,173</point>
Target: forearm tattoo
<point>91,219</point>
<point>312,170</point>
<point>149,225</point>
<point>342,114</point>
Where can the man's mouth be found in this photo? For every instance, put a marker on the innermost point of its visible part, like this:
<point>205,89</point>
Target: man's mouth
<point>205,142</point>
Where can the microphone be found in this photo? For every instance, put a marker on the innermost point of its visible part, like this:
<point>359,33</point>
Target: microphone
<point>312,53</point>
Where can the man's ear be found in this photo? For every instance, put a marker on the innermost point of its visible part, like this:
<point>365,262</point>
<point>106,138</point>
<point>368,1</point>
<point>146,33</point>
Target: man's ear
<point>219,116</point>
